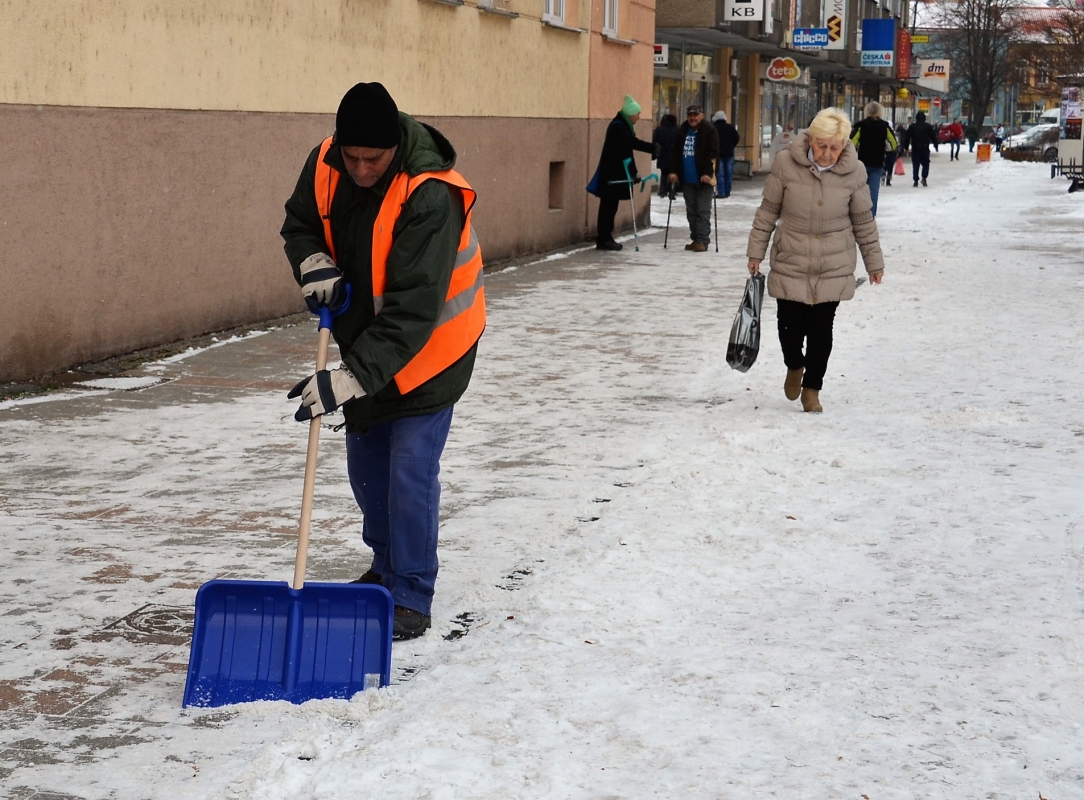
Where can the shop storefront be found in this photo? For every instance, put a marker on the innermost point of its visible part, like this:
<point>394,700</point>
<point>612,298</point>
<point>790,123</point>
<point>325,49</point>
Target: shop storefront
<point>690,76</point>
<point>787,104</point>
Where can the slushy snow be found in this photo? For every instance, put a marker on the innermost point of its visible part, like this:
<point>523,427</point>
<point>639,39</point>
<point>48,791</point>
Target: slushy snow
<point>658,577</point>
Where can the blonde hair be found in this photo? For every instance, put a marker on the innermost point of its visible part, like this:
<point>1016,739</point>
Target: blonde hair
<point>875,110</point>
<point>830,123</point>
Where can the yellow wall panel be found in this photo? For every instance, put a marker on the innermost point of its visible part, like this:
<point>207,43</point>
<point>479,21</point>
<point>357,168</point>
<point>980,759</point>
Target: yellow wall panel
<point>290,56</point>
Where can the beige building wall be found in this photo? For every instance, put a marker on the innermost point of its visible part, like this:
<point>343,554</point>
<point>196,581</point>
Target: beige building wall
<point>621,65</point>
<point>290,56</point>
<point>149,148</point>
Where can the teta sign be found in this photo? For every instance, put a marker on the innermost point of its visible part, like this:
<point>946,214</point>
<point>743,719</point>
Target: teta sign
<point>783,69</point>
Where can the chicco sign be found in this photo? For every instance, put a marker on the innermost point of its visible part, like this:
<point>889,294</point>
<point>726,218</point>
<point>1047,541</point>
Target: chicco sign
<point>783,69</point>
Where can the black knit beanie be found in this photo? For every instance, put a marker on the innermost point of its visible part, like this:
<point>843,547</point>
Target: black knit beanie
<point>368,117</point>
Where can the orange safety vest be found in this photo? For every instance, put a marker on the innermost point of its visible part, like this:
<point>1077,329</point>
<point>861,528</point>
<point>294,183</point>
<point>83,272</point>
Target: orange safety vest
<point>463,317</point>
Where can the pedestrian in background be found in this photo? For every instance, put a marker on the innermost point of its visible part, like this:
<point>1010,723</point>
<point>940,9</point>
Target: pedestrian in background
<point>956,139</point>
<point>379,207</point>
<point>663,139</point>
<point>873,138</point>
<point>920,136</point>
<point>612,183</point>
<point>816,207</point>
<point>728,140</point>
<point>999,136</point>
<point>972,133</point>
<point>695,153</point>
<point>890,162</point>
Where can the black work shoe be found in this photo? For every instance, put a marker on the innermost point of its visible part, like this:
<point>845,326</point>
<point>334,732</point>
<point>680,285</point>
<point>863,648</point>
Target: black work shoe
<point>410,624</point>
<point>916,184</point>
<point>369,577</point>
<point>923,181</point>
<point>609,246</point>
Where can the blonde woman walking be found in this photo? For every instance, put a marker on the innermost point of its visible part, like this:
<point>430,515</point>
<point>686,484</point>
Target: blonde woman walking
<point>817,205</point>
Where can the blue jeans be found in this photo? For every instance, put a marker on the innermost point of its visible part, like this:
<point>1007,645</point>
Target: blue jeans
<point>724,177</point>
<point>873,181</point>
<point>954,149</point>
<point>393,471</point>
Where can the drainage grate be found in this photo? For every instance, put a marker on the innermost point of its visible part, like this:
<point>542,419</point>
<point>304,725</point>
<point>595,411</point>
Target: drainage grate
<point>155,624</point>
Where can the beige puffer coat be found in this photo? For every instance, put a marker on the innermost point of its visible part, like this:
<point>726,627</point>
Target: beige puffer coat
<point>821,216</point>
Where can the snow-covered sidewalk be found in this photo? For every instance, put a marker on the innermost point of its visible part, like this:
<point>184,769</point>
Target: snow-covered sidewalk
<point>658,579</point>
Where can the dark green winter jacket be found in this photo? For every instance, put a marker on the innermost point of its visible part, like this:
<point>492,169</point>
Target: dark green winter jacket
<point>426,237</point>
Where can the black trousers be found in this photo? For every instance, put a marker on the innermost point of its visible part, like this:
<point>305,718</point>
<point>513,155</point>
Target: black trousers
<point>607,211</point>
<point>802,324</point>
<point>920,160</point>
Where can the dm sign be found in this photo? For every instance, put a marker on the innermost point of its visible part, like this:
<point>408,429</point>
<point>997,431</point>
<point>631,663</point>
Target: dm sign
<point>744,10</point>
<point>878,42</point>
<point>810,38</point>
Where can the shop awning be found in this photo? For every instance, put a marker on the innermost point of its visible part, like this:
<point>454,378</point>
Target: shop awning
<point>817,61</point>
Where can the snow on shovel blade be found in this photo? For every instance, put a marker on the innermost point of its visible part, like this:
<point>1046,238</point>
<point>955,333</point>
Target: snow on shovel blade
<point>263,640</point>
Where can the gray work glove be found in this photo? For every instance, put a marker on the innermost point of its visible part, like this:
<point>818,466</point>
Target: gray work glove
<point>324,392</point>
<point>321,283</point>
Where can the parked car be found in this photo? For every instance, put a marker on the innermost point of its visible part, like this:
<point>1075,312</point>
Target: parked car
<point>1041,140</point>
<point>1050,116</point>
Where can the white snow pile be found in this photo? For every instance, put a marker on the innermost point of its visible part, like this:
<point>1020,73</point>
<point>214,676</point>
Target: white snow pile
<point>670,582</point>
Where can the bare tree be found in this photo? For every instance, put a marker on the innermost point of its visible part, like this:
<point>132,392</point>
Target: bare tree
<point>1061,49</point>
<point>977,36</point>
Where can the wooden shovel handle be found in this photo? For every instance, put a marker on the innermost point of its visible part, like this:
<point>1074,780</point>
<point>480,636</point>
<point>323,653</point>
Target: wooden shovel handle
<point>310,474</point>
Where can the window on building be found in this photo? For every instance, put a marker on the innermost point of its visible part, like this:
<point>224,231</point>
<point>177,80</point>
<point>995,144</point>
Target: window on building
<point>609,17</point>
<point>557,185</point>
<point>553,11</point>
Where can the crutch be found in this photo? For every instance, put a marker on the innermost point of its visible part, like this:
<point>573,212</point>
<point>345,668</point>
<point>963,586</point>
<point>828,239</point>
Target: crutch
<point>670,194</point>
<point>714,198</point>
<point>632,197</point>
<point>628,182</point>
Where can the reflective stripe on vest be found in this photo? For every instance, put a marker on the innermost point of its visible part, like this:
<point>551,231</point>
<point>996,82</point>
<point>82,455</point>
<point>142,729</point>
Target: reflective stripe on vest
<point>327,181</point>
<point>463,317</point>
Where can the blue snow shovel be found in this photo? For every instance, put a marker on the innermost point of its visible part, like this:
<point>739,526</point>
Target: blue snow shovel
<point>263,640</point>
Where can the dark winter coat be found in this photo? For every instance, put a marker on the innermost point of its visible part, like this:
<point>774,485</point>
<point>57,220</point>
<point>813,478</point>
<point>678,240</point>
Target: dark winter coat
<point>971,132</point>
<point>663,139</point>
<point>375,347</point>
<point>921,136</point>
<point>869,137</point>
<point>619,145</point>
<point>706,153</point>
<point>728,138</point>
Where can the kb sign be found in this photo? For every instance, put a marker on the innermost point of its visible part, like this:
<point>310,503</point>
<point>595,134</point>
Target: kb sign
<point>744,10</point>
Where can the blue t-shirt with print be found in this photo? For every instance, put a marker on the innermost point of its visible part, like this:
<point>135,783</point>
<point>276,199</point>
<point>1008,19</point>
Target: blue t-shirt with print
<point>690,175</point>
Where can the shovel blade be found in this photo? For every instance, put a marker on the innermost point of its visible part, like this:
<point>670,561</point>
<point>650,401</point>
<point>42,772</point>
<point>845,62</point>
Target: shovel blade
<point>263,640</point>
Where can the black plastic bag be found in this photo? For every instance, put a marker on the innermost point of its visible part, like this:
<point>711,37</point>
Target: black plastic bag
<point>744,344</point>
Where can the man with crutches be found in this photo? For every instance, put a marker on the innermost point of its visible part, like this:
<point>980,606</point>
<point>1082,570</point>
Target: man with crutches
<point>695,153</point>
